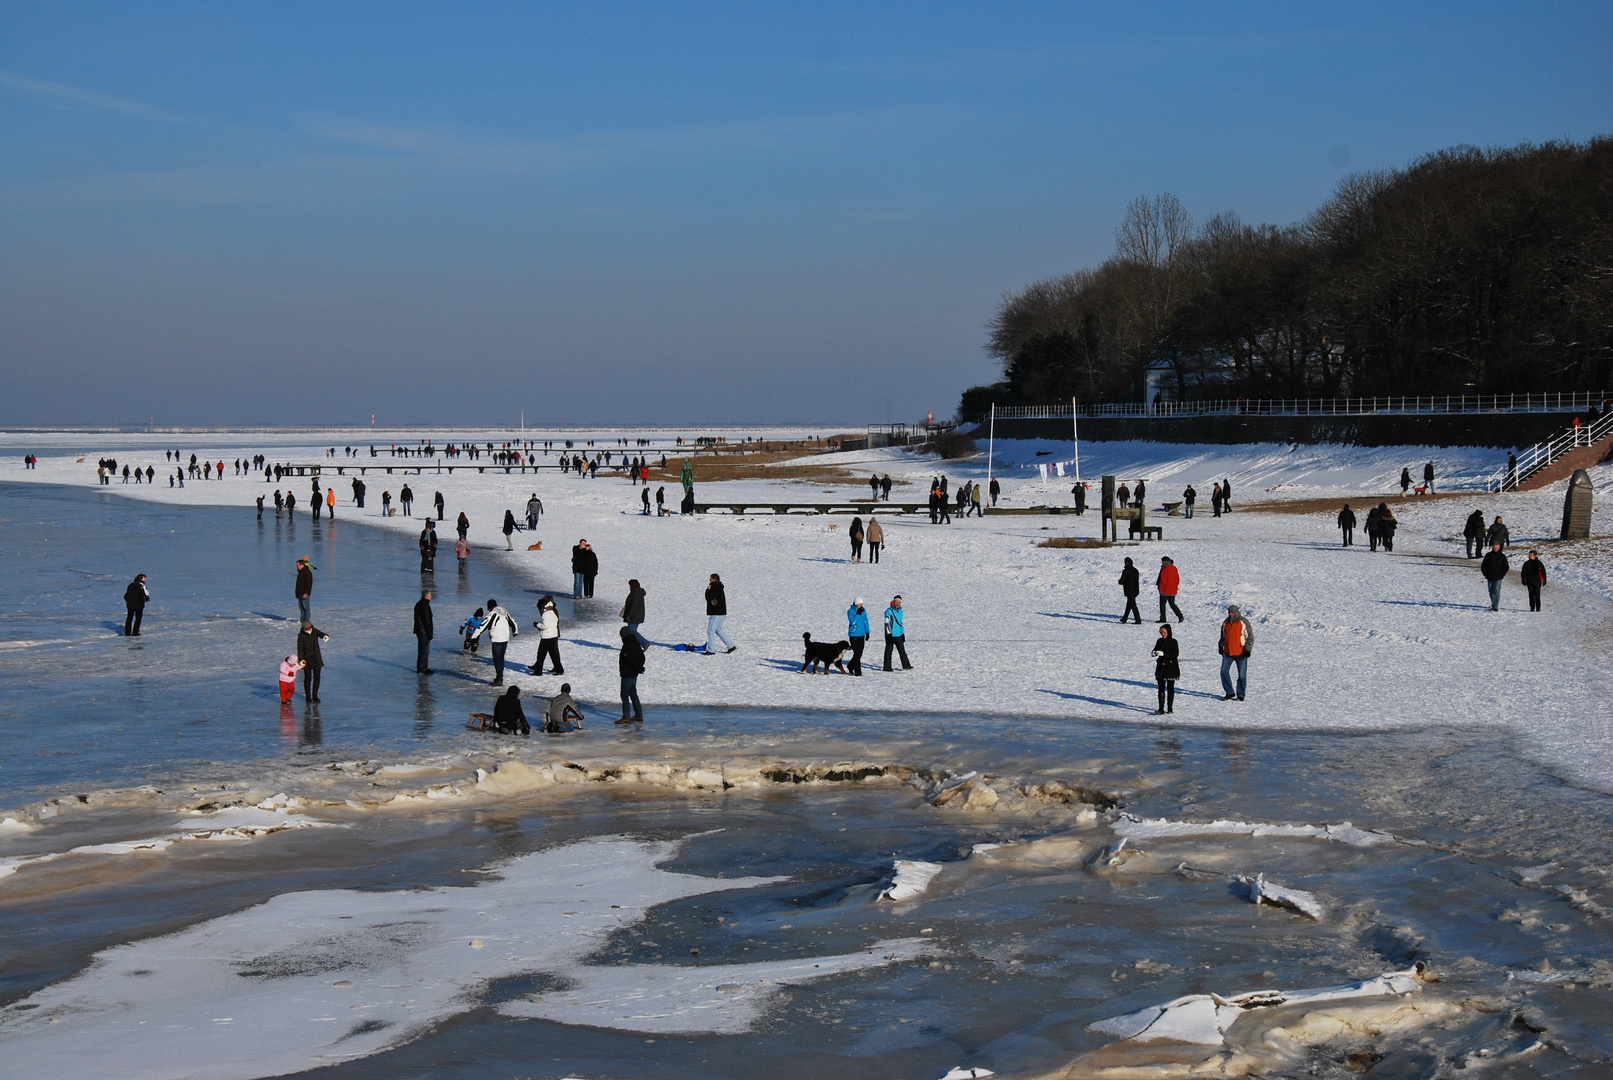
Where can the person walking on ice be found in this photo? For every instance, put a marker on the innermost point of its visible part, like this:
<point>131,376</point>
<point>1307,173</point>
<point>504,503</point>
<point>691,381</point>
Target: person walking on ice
<point>1533,574</point>
<point>1131,585</point>
<point>1168,582</point>
<point>134,605</point>
<point>423,633</point>
<point>509,530</point>
<point>1236,645</point>
<point>305,587</point>
<point>716,615</point>
<point>1347,525</point>
<point>630,665</point>
<point>499,628</point>
<point>313,661</point>
<point>1494,568</point>
<point>875,537</point>
<point>1428,478</point>
<point>896,634</point>
<point>534,510</point>
<point>548,627</point>
<point>406,497</point>
<point>1167,668</point>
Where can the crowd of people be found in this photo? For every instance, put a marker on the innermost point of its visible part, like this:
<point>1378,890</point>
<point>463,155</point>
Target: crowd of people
<point>495,624</point>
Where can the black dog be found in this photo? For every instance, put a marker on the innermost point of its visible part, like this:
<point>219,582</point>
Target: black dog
<point>819,652</point>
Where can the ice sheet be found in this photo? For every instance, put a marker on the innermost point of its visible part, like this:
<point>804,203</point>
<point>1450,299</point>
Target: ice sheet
<point>315,978</point>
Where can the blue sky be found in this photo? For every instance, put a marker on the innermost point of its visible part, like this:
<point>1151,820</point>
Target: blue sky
<point>304,213</point>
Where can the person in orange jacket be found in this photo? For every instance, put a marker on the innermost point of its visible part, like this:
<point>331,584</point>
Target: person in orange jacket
<point>1237,641</point>
<point>1168,582</point>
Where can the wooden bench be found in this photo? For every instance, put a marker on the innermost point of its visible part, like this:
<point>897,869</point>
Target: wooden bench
<point>1173,509</point>
<point>1153,532</point>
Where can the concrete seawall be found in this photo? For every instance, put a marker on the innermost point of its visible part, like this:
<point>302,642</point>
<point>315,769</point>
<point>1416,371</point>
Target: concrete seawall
<point>1502,430</point>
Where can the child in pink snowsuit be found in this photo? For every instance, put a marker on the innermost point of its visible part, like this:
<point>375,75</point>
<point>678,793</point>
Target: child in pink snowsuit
<point>288,677</point>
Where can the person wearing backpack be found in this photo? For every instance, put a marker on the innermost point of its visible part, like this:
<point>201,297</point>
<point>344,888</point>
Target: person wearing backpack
<point>1236,643</point>
<point>499,628</point>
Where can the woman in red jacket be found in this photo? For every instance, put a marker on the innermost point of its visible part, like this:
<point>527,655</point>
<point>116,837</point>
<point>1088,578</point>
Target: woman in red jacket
<point>1168,582</point>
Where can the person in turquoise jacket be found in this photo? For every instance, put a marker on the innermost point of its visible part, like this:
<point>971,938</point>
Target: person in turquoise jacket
<point>857,632</point>
<point>895,634</point>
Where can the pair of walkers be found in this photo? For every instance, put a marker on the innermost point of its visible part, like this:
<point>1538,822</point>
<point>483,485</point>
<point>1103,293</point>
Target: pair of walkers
<point>874,535</point>
<point>1167,582</point>
<point>1235,644</point>
<point>895,634</point>
<point>1494,567</point>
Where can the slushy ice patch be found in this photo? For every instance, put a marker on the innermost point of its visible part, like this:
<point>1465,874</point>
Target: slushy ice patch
<point>315,978</point>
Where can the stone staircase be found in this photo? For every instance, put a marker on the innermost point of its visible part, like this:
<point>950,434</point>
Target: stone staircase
<point>1575,447</point>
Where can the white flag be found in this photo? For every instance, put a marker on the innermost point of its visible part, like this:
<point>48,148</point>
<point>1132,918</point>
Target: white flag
<point>1042,468</point>
<point>1060,468</point>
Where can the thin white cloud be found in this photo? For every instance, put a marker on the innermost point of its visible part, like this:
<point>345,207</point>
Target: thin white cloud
<point>495,153</point>
<point>65,96</point>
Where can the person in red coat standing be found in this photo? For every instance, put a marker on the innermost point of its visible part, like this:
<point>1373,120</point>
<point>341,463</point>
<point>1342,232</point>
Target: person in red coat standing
<point>1168,582</point>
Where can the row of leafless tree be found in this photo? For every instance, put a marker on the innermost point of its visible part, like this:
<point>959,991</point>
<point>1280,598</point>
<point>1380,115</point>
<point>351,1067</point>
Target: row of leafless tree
<point>1470,271</point>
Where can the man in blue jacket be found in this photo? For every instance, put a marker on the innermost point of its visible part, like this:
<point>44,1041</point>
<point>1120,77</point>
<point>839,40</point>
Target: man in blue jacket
<point>857,633</point>
<point>895,634</point>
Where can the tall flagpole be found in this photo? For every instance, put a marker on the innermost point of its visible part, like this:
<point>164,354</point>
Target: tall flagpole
<point>991,446</point>
<point>1076,422</point>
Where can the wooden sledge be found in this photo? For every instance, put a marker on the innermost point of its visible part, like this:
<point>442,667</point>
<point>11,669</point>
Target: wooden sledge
<point>481,721</point>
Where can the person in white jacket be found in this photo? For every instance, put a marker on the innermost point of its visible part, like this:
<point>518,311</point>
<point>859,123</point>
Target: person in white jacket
<point>548,625</point>
<point>499,628</point>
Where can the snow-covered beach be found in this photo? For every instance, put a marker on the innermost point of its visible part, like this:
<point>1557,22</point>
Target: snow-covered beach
<point>997,625</point>
<point>920,837</point>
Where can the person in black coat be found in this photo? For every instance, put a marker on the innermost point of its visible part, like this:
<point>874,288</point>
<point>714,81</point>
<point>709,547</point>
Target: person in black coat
<point>1533,574</point>
<point>134,604</point>
<point>308,639</point>
<point>508,716</point>
<point>1494,568</point>
<point>423,633</point>
<point>1167,668</point>
<point>428,548</point>
<point>509,530</point>
<point>630,664</point>
<point>1473,533</point>
<point>1131,585</point>
<point>1347,524</point>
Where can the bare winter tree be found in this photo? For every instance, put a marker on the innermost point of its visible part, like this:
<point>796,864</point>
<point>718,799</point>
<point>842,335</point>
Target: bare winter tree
<point>1152,242</point>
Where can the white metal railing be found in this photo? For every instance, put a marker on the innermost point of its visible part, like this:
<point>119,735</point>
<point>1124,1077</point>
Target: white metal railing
<point>1543,453</point>
<point>1348,406</point>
